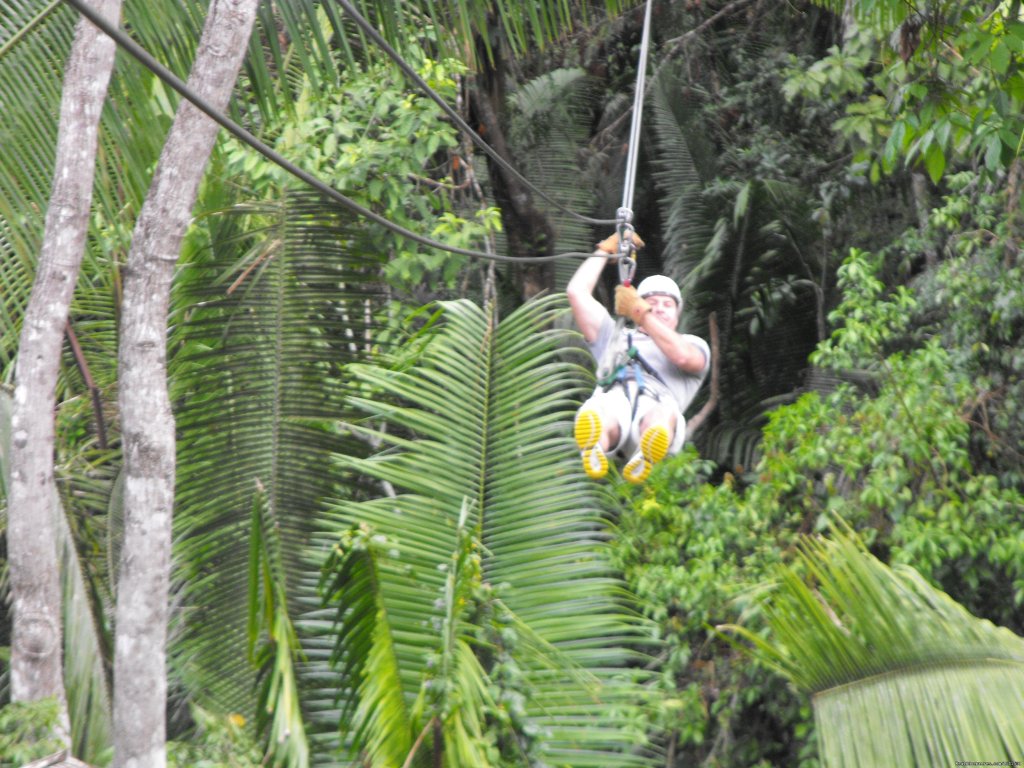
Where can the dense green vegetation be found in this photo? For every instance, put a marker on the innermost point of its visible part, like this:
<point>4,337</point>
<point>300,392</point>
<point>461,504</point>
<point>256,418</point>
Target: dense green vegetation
<point>384,545</point>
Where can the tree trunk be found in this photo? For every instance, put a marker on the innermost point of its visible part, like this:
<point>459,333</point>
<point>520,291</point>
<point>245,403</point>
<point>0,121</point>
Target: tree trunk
<point>36,652</point>
<point>528,232</point>
<point>140,679</point>
<point>923,209</point>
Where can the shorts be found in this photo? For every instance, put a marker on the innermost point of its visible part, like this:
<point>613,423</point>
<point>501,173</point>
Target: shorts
<point>618,400</point>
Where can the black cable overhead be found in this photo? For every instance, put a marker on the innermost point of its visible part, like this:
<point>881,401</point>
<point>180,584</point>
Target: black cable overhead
<point>413,75</point>
<point>243,135</point>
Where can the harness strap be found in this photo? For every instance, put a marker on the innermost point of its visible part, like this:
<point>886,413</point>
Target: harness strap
<point>647,366</point>
<point>633,367</point>
<point>632,357</point>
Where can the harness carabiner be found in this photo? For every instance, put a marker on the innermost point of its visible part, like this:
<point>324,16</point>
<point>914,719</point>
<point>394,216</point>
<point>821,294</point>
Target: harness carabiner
<point>624,229</point>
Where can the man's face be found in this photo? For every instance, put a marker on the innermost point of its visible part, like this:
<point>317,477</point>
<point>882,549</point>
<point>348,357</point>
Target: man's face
<point>664,308</point>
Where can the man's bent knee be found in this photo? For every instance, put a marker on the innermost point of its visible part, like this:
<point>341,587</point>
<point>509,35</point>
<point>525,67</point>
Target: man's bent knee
<point>659,416</point>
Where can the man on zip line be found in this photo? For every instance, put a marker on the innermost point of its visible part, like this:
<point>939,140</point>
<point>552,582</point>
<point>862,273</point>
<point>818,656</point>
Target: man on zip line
<point>637,407</point>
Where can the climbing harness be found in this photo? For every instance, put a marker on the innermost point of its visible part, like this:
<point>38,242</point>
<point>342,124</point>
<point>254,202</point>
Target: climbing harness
<point>632,359</point>
<point>632,367</point>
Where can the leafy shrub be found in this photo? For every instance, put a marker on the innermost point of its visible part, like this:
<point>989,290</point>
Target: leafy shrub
<point>26,729</point>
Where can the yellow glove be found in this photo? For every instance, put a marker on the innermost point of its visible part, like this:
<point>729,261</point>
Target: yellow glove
<point>610,245</point>
<point>629,304</point>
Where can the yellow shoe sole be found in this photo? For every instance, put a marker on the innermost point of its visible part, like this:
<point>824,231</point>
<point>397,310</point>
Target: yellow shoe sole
<point>654,443</point>
<point>637,469</point>
<point>587,429</point>
<point>595,463</point>
<point>653,448</point>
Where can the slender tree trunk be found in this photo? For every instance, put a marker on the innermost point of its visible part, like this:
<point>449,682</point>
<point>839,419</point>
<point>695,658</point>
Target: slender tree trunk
<point>140,678</point>
<point>923,208</point>
<point>1013,236</point>
<point>36,652</point>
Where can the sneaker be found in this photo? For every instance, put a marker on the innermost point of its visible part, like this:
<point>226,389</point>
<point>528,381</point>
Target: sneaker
<point>653,448</point>
<point>587,431</point>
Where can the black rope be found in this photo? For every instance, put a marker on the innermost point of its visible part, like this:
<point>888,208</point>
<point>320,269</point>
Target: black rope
<point>172,80</point>
<point>413,75</point>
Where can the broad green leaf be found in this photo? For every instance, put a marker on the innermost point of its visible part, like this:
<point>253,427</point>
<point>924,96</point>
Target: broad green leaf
<point>480,427</point>
<point>935,161</point>
<point>1000,57</point>
<point>993,151</point>
<point>899,674</point>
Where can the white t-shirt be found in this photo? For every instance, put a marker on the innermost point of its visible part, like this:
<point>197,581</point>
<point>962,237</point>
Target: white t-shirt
<point>683,386</point>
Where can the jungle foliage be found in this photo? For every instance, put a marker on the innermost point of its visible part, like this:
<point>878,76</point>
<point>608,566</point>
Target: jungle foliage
<point>906,424</point>
<point>385,553</point>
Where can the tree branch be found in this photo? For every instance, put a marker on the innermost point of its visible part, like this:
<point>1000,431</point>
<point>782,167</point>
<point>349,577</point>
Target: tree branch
<point>678,43</point>
<point>698,421</point>
<point>418,742</point>
<point>94,392</point>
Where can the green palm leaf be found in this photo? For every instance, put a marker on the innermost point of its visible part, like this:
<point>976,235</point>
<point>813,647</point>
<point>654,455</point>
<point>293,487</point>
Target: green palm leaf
<point>524,26</point>
<point>263,321</point>
<point>883,15</point>
<point>549,126</point>
<point>364,642</point>
<point>30,88</point>
<point>687,223</point>
<point>273,645</point>
<point>481,424</point>
<point>899,674</point>
<point>277,70</point>
<point>35,36</point>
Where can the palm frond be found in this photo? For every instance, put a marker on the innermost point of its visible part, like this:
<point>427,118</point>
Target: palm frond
<point>294,46</point>
<point>364,649</point>
<point>273,644</point>
<point>30,90</point>
<point>460,692</point>
<point>549,126</point>
<point>483,419</point>
<point>899,673</point>
<point>31,67</point>
<point>318,32</point>
<point>525,27</point>
<point>86,651</point>
<point>262,321</point>
<point>687,223</point>
<point>464,739</point>
<point>883,15</point>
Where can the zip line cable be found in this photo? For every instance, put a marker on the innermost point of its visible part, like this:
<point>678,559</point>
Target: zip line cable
<point>413,75</point>
<point>612,359</point>
<point>177,84</point>
<point>638,108</point>
<point>624,216</point>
